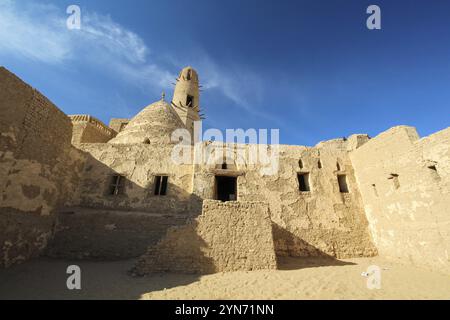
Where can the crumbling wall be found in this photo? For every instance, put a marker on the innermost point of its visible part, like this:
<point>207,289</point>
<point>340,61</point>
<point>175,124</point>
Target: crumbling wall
<point>35,157</point>
<point>226,237</point>
<point>404,182</point>
<point>319,222</point>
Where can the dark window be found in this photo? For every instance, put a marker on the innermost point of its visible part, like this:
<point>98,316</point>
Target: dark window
<point>434,172</point>
<point>338,166</point>
<point>224,166</point>
<point>161,185</point>
<point>117,185</point>
<point>189,75</point>
<point>303,182</point>
<point>189,101</point>
<point>319,164</point>
<point>226,188</point>
<point>342,181</point>
<point>300,163</point>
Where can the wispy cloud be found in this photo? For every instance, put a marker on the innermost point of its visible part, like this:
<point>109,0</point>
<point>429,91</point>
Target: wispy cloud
<point>38,32</point>
<point>23,32</point>
<point>236,82</point>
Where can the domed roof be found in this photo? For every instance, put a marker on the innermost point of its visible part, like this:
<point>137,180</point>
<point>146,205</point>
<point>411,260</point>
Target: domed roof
<point>154,124</point>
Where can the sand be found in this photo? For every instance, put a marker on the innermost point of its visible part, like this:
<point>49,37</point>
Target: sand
<point>297,279</point>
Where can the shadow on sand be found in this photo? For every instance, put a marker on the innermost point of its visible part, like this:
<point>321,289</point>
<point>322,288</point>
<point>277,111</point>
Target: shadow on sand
<point>45,279</point>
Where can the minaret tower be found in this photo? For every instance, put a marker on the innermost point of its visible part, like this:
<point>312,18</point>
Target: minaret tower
<point>186,98</point>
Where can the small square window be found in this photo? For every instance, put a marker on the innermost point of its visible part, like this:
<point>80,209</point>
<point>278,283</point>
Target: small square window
<point>303,182</point>
<point>161,185</point>
<point>116,186</point>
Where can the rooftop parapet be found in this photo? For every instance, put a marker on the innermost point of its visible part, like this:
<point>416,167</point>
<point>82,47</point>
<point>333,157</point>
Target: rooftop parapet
<point>95,122</point>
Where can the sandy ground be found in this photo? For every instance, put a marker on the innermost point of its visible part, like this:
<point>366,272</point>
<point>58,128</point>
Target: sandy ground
<point>297,279</point>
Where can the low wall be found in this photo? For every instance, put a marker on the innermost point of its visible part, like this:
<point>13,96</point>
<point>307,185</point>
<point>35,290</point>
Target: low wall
<point>108,235</point>
<point>226,237</point>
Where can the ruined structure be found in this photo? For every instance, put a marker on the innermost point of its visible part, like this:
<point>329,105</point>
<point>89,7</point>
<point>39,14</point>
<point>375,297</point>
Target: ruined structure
<point>72,187</point>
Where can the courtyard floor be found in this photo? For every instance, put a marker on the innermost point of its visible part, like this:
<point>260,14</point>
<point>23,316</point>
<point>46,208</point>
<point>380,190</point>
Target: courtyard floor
<point>297,279</point>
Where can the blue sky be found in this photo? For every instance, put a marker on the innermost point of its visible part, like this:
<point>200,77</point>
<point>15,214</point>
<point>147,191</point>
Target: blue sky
<point>309,68</point>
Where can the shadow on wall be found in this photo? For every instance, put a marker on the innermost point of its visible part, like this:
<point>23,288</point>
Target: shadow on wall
<point>180,251</point>
<point>101,188</point>
<point>306,255</point>
<point>227,237</point>
<point>114,229</point>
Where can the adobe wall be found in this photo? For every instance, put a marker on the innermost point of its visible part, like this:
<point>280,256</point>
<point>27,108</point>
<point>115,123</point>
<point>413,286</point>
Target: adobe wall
<point>228,236</point>
<point>118,124</point>
<point>404,182</point>
<point>322,222</point>
<point>82,233</point>
<point>140,164</point>
<point>87,129</point>
<point>37,168</point>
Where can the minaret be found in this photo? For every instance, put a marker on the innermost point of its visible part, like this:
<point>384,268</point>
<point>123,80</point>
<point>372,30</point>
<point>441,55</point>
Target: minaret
<point>186,98</point>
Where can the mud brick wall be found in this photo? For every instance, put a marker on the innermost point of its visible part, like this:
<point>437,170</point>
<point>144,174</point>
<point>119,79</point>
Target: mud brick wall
<point>404,182</point>
<point>37,171</point>
<point>87,129</point>
<point>226,237</point>
<point>108,235</point>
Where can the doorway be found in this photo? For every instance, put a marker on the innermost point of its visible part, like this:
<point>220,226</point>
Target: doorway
<point>226,188</point>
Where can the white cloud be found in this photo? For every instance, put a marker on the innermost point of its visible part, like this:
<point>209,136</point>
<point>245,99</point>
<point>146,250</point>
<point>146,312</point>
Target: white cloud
<point>23,32</point>
<point>112,38</point>
<point>38,32</point>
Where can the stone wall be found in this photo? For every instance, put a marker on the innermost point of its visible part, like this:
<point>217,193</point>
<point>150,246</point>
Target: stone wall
<point>404,182</point>
<point>82,233</point>
<point>38,168</point>
<point>226,237</point>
